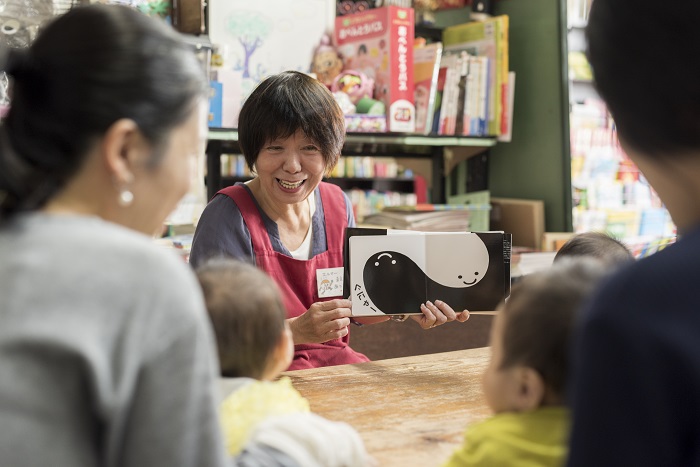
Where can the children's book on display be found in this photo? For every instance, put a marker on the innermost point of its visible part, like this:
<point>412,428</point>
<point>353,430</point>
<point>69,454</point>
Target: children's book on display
<point>392,272</point>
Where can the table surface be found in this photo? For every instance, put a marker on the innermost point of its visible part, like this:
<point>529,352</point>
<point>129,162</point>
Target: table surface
<point>410,411</point>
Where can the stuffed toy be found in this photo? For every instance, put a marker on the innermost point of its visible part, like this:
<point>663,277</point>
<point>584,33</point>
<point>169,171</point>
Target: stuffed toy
<point>326,64</point>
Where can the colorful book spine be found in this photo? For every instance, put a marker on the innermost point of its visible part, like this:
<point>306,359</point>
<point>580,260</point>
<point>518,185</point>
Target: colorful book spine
<point>426,68</point>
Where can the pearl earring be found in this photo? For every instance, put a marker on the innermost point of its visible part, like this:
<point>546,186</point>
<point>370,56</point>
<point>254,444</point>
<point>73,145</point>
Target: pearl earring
<point>126,197</point>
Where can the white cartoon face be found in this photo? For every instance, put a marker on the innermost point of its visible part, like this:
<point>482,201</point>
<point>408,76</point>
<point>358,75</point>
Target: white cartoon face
<point>458,260</point>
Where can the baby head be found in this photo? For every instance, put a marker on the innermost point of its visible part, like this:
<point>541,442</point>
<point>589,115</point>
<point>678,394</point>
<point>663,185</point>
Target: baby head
<point>597,245</point>
<point>531,334</point>
<point>246,309</point>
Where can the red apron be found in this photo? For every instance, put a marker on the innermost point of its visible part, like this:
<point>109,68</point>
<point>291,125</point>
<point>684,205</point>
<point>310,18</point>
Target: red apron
<point>297,278</point>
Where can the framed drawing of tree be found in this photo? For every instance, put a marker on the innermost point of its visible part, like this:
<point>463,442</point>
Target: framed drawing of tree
<point>264,37</point>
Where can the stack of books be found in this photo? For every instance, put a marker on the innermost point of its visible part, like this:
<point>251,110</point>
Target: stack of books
<point>423,217</point>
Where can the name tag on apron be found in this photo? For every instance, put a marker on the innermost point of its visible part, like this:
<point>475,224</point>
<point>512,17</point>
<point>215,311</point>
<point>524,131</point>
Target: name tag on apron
<point>329,282</point>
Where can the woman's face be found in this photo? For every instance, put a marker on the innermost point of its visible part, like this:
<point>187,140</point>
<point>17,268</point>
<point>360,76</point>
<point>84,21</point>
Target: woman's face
<point>290,169</point>
<point>157,190</point>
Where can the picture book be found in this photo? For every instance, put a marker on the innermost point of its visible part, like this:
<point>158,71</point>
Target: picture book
<point>478,98</point>
<point>464,60</point>
<point>426,67</point>
<point>470,116</point>
<point>392,272</point>
<point>450,66</point>
<point>487,38</point>
<point>507,134</point>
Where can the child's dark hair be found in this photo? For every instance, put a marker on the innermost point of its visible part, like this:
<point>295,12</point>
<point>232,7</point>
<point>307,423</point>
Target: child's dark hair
<point>87,69</point>
<point>540,314</point>
<point>285,103</point>
<point>247,313</point>
<point>597,245</point>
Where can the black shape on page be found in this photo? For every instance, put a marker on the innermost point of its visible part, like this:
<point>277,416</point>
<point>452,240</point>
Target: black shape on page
<point>397,285</point>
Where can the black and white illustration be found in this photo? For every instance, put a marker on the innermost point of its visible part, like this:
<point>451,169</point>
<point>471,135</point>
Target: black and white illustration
<point>396,272</point>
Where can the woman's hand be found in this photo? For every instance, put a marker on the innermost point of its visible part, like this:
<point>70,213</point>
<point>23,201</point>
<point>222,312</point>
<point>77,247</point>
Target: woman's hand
<point>322,322</point>
<point>435,314</point>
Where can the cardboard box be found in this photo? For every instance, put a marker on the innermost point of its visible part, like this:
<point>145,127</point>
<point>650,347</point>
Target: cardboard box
<point>553,241</point>
<point>524,218</point>
<point>379,43</point>
<point>392,272</point>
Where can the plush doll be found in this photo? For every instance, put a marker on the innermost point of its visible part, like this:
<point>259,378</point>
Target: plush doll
<point>326,64</point>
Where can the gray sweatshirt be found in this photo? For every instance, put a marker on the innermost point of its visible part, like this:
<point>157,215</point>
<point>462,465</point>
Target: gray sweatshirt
<point>106,355</point>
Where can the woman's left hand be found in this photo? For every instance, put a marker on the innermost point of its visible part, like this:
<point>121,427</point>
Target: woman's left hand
<point>435,314</point>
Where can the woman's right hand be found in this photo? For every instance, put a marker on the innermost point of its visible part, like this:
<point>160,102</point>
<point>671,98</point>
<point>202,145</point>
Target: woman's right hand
<point>322,322</point>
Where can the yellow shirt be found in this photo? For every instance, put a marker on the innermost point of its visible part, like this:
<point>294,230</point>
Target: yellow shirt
<point>527,439</point>
<point>245,408</point>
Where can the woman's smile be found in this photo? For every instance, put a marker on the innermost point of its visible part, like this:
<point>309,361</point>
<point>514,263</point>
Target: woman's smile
<point>291,186</point>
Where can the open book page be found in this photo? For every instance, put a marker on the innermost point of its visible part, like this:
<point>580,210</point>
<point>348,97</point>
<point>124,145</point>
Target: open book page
<point>396,272</point>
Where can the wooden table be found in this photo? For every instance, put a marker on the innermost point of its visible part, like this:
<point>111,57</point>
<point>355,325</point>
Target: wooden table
<point>410,411</point>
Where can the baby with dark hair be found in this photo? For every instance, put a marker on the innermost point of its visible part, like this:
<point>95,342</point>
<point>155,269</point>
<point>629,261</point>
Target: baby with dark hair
<point>255,345</point>
<point>597,245</point>
<point>525,382</point>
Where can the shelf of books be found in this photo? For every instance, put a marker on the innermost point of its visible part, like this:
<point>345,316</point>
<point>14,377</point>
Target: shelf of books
<point>462,83</point>
<point>609,192</point>
<point>367,155</point>
<point>371,183</point>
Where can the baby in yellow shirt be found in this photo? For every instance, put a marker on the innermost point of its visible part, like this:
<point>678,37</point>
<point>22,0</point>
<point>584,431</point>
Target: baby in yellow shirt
<point>255,345</point>
<point>525,382</point>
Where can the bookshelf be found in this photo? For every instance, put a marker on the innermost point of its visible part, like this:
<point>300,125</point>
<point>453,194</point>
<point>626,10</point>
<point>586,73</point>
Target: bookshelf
<point>535,164</point>
<point>609,192</point>
<point>404,147</point>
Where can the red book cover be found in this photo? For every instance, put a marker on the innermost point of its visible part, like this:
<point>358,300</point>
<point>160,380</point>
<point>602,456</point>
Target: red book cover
<point>379,43</point>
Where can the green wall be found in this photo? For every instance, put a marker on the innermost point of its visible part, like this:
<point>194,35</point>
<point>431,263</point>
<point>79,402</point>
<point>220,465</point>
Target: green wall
<point>536,163</point>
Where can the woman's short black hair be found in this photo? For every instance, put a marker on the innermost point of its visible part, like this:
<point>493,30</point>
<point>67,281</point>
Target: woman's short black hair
<point>86,70</point>
<point>285,103</point>
<point>643,56</point>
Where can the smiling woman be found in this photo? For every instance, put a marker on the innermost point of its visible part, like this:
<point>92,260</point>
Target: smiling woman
<point>286,220</point>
